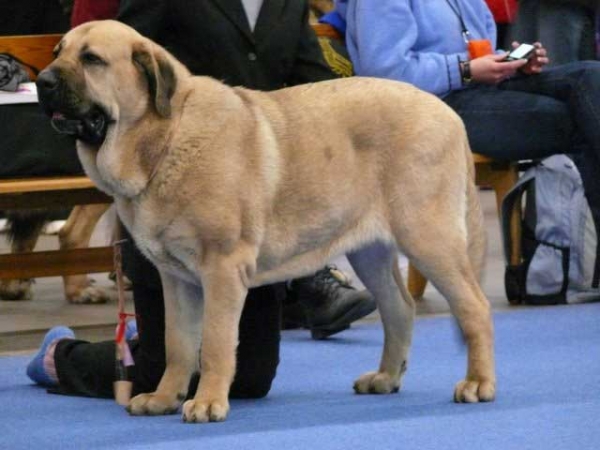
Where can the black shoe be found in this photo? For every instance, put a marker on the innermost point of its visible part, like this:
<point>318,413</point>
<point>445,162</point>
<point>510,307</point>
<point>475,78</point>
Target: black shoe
<point>329,302</point>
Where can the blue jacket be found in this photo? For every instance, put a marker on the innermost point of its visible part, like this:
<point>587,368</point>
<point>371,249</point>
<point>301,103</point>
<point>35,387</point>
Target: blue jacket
<point>416,41</point>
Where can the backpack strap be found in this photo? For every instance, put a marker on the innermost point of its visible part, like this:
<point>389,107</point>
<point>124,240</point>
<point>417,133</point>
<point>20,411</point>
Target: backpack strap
<point>513,198</point>
<point>587,165</point>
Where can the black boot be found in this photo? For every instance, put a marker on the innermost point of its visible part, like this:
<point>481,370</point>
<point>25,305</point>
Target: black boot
<point>325,303</point>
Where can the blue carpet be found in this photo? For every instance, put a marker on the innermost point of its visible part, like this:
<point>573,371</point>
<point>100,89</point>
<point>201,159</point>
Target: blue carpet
<point>548,365</point>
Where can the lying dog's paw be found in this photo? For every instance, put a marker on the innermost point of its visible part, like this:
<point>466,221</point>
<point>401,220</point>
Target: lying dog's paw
<point>210,410</point>
<point>152,405</point>
<point>471,391</point>
<point>376,383</point>
<point>16,289</point>
<point>92,295</point>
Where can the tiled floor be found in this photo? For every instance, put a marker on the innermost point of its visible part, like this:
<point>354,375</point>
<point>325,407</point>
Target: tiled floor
<point>22,324</point>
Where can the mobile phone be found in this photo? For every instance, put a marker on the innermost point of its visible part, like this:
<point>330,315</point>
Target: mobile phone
<point>523,51</point>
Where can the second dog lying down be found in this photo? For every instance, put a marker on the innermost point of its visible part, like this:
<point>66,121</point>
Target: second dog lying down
<point>230,188</point>
<point>23,230</point>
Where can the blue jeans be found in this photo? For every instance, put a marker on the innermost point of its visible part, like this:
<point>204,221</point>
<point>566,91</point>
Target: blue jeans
<point>530,117</point>
<point>565,30</point>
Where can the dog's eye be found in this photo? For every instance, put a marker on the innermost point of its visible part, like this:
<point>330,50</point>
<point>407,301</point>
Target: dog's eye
<point>91,58</point>
<point>56,50</point>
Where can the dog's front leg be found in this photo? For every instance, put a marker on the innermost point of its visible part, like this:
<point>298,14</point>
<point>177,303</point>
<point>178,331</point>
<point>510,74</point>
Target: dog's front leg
<point>225,291</point>
<point>183,331</point>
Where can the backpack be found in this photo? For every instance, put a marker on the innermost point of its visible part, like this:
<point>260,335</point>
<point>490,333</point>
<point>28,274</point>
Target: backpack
<point>559,236</point>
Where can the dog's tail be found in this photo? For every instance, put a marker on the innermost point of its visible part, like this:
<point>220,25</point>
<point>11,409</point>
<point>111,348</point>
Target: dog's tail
<point>24,228</point>
<point>475,222</point>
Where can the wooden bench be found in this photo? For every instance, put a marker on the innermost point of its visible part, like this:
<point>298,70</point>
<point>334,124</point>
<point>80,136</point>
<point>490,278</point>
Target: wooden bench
<point>48,192</point>
<point>497,175</point>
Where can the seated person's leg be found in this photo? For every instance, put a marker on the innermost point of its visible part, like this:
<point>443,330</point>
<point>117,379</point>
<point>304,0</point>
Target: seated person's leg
<point>577,86</point>
<point>511,125</point>
<point>534,116</point>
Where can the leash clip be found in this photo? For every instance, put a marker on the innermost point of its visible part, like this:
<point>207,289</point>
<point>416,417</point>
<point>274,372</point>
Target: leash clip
<point>466,36</point>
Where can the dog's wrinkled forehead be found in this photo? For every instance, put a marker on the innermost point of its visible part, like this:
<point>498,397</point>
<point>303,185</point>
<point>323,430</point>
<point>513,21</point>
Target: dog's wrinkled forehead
<point>105,38</point>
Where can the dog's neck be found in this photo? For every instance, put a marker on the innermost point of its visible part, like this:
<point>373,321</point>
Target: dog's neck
<point>127,160</point>
<point>175,121</point>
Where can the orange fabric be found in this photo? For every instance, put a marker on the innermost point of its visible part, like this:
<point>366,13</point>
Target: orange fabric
<point>479,47</point>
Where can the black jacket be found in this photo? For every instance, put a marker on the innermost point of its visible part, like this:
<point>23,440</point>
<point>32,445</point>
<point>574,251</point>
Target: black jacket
<point>213,37</point>
<point>32,17</point>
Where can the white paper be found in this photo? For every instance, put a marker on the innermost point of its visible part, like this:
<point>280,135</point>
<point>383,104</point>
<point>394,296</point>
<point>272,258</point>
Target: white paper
<point>26,93</point>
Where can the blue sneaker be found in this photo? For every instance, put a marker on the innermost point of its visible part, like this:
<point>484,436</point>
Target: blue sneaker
<point>131,331</point>
<point>35,369</point>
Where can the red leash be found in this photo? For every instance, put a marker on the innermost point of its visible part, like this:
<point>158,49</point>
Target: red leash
<point>123,359</point>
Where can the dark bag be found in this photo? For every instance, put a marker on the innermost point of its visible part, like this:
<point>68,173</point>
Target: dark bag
<point>30,147</point>
<point>12,72</point>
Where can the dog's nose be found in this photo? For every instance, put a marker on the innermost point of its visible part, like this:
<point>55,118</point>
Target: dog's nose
<point>47,80</point>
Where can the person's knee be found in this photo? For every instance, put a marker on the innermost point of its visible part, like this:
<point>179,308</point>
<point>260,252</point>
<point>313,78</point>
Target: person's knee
<point>589,65</point>
<point>255,380</point>
<point>587,76</point>
<point>253,386</point>
<point>246,384</point>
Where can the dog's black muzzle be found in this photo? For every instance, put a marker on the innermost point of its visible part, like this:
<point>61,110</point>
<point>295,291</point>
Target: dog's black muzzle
<point>70,115</point>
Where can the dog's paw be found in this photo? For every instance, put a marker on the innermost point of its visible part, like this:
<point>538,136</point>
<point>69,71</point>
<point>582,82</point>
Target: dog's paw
<point>202,411</point>
<point>92,295</point>
<point>376,383</point>
<point>16,289</point>
<point>473,391</point>
<point>152,405</point>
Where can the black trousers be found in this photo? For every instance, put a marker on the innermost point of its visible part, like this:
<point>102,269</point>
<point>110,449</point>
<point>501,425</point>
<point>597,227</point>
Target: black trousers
<point>88,369</point>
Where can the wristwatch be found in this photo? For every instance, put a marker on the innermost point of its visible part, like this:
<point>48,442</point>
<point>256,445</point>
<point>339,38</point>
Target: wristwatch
<point>465,72</point>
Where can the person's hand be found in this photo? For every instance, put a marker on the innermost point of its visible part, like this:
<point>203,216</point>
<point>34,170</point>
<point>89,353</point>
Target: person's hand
<point>492,69</point>
<point>537,61</point>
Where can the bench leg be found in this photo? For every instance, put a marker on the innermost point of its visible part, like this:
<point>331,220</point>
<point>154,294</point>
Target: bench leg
<point>501,184</point>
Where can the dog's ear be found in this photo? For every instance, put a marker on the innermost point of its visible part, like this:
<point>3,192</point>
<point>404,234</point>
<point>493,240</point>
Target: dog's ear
<point>160,75</point>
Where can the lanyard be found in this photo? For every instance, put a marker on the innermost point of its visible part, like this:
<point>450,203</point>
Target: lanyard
<point>463,26</point>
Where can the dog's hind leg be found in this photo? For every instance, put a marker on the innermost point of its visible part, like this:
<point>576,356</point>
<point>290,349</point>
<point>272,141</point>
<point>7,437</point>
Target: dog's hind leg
<point>77,233</point>
<point>448,249</point>
<point>183,333</point>
<point>377,267</point>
